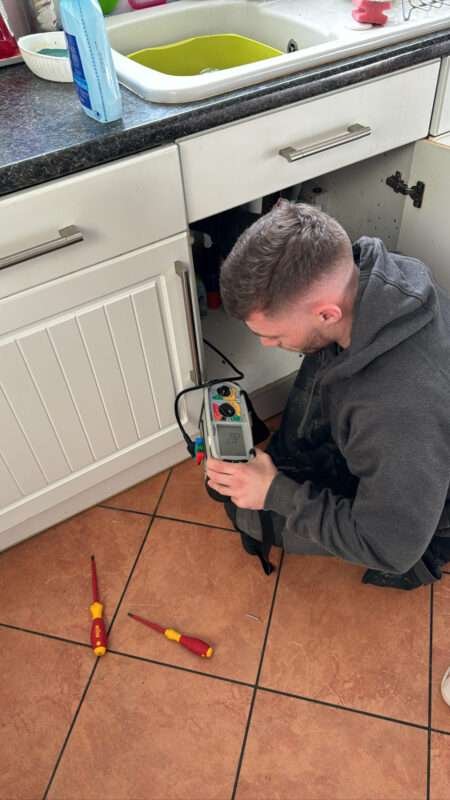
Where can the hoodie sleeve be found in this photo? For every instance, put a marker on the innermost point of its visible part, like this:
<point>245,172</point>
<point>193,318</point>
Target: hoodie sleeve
<point>403,471</point>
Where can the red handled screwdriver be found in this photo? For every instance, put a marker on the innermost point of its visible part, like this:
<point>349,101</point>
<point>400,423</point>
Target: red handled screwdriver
<point>98,632</point>
<point>196,646</point>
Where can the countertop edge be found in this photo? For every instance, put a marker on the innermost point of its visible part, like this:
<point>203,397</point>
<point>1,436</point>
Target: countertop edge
<point>228,108</point>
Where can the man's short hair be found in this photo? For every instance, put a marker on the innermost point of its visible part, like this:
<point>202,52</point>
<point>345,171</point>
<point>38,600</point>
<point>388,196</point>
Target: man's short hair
<point>280,257</point>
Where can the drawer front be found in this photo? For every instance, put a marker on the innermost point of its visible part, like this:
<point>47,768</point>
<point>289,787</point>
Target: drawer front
<point>115,208</point>
<point>242,161</point>
<point>440,122</point>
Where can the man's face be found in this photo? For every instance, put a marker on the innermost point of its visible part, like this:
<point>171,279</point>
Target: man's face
<point>292,329</point>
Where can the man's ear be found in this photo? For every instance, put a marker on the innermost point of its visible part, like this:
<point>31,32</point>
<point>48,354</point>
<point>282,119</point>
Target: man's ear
<point>329,314</point>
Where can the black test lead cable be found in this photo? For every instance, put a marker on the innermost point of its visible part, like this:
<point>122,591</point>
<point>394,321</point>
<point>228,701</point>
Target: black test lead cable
<point>190,444</point>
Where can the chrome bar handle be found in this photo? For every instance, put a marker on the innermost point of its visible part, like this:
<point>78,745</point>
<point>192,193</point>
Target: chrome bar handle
<point>183,272</point>
<point>352,133</point>
<point>69,235</point>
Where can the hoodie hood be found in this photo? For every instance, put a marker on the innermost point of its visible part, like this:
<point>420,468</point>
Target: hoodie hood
<point>396,299</point>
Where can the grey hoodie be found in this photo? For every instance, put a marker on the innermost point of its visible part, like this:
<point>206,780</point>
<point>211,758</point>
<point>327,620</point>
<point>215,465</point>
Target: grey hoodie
<point>387,401</point>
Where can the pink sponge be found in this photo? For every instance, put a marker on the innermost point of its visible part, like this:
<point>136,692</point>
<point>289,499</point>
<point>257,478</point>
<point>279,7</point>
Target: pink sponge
<point>370,11</point>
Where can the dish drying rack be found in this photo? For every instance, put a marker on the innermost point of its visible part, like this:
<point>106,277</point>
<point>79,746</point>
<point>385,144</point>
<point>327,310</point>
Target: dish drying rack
<point>409,6</point>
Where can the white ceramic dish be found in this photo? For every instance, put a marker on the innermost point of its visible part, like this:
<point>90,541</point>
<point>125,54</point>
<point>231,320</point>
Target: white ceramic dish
<point>51,68</point>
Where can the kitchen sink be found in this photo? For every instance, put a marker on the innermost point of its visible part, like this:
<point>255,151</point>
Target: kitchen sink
<point>307,32</point>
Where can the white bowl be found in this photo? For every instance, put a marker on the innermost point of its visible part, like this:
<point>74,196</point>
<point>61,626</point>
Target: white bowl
<point>52,68</point>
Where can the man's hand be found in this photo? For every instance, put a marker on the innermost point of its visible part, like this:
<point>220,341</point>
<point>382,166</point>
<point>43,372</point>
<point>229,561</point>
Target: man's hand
<point>246,484</point>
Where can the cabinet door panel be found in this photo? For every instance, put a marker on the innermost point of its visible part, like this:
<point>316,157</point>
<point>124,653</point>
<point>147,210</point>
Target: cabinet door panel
<point>149,317</point>
<point>425,231</point>
<point>32,415</point>
<point>17,453</point>
<point>103,354</point>
<point>48,376</point>
<point>125,333</point>
<point>84,388</point>
<point>105,364</point>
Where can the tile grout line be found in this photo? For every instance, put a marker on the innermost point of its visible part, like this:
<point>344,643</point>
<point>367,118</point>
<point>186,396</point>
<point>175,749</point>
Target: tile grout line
<point>190,670</point>
<point>349,709</point>
<point>133,510</point>
<point>438,730</point>
<point>430,691</point>
<point>255,687</point>
<point>124,510</point>
<point>169,475</point>
<point>292,695</point>
<point>169,519</point>
<point>200,524</point>
<point>44,635</point>
<point>72,725</point>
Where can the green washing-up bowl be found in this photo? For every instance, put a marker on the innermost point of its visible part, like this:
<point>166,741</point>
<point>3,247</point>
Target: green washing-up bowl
<point>204,54</point>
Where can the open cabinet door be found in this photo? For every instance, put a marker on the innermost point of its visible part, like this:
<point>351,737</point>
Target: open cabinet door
<point>425,231</point>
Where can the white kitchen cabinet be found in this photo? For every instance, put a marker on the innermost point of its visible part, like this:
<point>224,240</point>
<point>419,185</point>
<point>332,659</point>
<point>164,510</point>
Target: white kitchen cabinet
<point>89,368</point>
<point>236,163</point>
<point>94,337</point>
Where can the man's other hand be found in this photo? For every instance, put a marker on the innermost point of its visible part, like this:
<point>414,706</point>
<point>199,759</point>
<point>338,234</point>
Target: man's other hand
<point>247,484</point>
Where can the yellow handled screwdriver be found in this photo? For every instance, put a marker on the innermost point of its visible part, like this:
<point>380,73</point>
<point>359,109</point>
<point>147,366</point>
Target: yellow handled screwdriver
<point>197,646</point>
<point>99,639</point>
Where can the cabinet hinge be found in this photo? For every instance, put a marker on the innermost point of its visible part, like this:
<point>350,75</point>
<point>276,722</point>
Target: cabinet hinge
<point>397,183</point>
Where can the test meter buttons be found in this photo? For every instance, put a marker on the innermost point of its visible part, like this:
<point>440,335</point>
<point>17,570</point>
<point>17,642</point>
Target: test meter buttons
<point>224,390</point>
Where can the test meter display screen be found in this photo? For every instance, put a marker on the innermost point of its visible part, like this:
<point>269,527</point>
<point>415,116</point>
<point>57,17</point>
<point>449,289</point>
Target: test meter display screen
<point>231,441</point>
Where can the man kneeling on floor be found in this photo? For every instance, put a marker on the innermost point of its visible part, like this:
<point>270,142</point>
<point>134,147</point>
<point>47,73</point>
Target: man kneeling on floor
<point>360,468</point>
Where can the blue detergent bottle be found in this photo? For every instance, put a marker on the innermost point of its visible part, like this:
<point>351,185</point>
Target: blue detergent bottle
<point>91,58</point>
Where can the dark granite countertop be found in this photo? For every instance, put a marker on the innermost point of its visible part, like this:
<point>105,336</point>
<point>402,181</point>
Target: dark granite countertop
<point>44,134</point>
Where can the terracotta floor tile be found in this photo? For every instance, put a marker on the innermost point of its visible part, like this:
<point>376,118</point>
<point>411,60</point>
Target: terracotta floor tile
<point>200,581</point>
<point>42,681</point>
<point>440,767</point>
<point>333,638</point>
<point>440,711</point>
<point>142,497</point>
<point>163,734</point>
<point>327,754</point>
<point>46,581</point>
<point>185,498</point>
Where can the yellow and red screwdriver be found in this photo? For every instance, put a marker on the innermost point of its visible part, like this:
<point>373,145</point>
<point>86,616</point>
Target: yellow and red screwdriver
<point>196,646</point>
<point>98,633</point>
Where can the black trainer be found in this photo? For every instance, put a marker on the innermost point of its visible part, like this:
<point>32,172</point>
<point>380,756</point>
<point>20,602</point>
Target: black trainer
<point>407,581</point>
